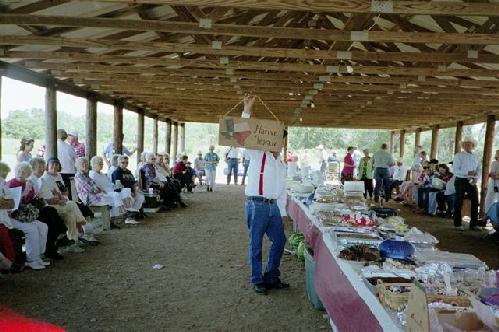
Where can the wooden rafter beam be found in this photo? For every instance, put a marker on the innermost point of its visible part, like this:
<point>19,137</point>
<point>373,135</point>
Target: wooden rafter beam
<point>163,66</point>
<point>270,80</point>
<point>352,6</point>
<point>253,31</point>
<point>235,51</point>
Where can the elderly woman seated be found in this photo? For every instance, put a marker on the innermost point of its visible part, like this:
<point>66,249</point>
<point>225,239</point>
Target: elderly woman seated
<point>114,165</point>
<point>124,178</point>
<point>183,172</point>
<point>150,179</point>
<point>24,218</point>
<point>91,194</point>
<point>48,214</point>
<point>124,195</point>
<point>52,190</point>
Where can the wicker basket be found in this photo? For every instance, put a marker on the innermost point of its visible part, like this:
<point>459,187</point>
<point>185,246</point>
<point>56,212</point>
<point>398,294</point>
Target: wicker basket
<point>396,301</point>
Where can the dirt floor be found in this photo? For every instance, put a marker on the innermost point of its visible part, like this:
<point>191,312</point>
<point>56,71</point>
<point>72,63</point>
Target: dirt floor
<point>471,242</point>
<point>204,285</point>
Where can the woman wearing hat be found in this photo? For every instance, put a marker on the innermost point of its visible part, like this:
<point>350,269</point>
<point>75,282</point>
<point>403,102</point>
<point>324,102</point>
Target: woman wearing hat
<point>467,168</point>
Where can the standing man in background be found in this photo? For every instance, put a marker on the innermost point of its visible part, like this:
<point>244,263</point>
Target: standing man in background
<point>77,146</point>
<point>109,152</point>
<point>467,169</point>
<point>383,160</point>
<point>67,157</point>
<point>265,212</point>
<point>232,159</point>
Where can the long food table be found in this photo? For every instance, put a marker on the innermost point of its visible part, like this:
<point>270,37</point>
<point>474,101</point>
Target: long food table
<point>348,300</point>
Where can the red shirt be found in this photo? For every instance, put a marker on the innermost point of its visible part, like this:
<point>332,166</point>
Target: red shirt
<point>179,168</point>
<point>348,160</point>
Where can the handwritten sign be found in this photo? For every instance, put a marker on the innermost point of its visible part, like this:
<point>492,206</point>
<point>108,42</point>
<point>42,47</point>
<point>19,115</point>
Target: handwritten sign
<point>257,134</point>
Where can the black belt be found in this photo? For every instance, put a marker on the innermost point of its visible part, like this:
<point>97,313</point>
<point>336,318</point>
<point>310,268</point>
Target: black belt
<point>233,158</point>
<point>261,199</point>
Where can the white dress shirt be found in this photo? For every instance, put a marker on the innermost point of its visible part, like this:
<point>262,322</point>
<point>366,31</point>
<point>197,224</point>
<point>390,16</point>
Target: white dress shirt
<point>5,194</point>
<point>102,181</point>
<point>274,176</point>
<point>450,189</point>
<point>37,183</point>
<point>246,155</point>
<point>232,152</point>
<point>465,162</point>
<point>400,173</point>
<point>67,156</point>
<point>48,184</point>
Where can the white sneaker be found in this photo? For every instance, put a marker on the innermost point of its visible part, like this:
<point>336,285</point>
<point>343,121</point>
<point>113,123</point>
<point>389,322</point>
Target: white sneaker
<point>132,210</point>
<point>35,265</point>
<point>89,238</point>
<point>130,221</point>
<point>75,248</point>
<point>45,263</point>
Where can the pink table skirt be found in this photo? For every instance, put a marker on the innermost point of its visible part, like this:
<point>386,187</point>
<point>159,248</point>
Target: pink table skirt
<point>346,308</point>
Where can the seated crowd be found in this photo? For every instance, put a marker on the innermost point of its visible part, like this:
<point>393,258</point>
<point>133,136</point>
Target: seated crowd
<point>51,223</point>
<point>428,186</point>
<point>431,191</point>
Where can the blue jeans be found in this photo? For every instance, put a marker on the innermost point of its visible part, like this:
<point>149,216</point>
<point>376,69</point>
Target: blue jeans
<point>382,176</point>
<point>450,204</point>
<point>246,165</point>
<point>264,218</point>
<point>232,167</point>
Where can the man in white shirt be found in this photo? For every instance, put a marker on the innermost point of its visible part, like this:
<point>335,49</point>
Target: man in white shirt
<point>232,159</point>
<point>67,157</point>
<point>399,174</point>
<point>265,211</point>
<point>467,169</point>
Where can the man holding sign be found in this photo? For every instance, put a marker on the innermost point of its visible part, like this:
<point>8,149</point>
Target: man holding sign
<point>265,212</point>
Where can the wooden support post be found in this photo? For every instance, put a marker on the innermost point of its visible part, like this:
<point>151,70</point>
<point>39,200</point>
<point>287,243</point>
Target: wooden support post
<point>175,142</point>
<point>91,128</point>
<point>487,156</point>
<point>458,137</point>
<point>168,136</point>
<point>417,139</point>
<point>402,143</point>
<point>285,156</point>
<point>50,122</point>
<point>434,141</point>
<point>0,117</point>
<point>182,137</point>
<point>118,128</point>
<point>155,135</point>
<point>392,134</point>
<point>140,135</point>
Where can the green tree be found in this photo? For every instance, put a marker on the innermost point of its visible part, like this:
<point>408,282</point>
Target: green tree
<point>26,123</point>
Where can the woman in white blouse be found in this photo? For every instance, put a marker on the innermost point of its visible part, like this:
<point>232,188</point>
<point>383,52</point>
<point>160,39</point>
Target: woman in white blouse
<point>492,195</point>
<point>123,198</point>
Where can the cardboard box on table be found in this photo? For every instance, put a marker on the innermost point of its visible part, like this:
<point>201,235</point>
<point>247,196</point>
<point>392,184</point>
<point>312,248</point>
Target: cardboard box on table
<point>419,318</point>
<point>251,133</point>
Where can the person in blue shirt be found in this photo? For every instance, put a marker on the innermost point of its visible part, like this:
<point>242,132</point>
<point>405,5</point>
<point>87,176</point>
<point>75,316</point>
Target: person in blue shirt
<point>109,151</point>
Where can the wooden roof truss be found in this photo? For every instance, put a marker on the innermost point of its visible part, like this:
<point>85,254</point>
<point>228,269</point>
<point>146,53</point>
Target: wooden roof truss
<point>359,64</point>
